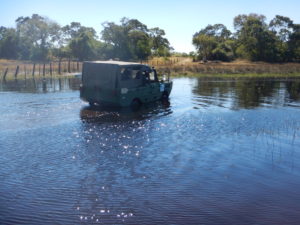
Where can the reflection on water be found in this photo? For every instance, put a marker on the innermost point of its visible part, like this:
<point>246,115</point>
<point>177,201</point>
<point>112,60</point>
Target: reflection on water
<point>108,115</point>
<point>41,85</point>
<point>219,152</point>
<point>246,93</point>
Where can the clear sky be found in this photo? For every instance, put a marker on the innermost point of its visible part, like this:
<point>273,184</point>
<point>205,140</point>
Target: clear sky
<point>180,19</point>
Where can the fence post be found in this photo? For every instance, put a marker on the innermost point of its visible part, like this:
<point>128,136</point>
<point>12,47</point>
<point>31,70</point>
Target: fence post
<point>69,66</point>
<point>25,72</point>
<point>5,72</point>
<point>51,69</point>
<point>17,71</point>
<point>33,69</point>
<point>59,67</point>
<point>44,69</point>
<point>39,69</point>
<point>77,66</point>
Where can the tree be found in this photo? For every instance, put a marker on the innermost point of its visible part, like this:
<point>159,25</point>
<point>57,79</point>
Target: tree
<point>160,44</point>
<point>83,47</point>
<point>8,43</point>
<point>79,42</point>
<point>288,35</point>
<point>36,36</point>
<point>205,45</point>
<point>218,30</point>
<point>133,40</point>
<point>255,41</point>
<point>74,30</point>
<point>140,44</point>
<point>117,36</point>
<point>294,43</point>
<point>282,27</point>
<point>213,43</point>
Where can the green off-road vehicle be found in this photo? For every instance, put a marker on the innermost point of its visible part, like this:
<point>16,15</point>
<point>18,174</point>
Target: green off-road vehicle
<point>119,83</point>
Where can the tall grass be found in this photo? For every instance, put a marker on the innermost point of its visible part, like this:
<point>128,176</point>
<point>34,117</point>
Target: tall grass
<point>194,68</point>
<point>176,66</point>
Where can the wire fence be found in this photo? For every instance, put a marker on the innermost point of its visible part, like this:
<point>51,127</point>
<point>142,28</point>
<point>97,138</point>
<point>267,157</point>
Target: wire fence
<point>23,68</point>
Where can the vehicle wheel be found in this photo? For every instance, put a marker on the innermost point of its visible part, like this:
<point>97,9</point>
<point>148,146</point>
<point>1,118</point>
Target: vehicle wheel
<point>92,103</point>
<point>165,96</point>
<point>135,104</point>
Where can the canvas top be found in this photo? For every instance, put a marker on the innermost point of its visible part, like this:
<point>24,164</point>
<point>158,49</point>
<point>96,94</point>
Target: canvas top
<point>111,62</point>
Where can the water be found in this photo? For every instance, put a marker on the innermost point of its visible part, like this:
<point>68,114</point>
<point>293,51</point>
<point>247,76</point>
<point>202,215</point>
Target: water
<point>220,152</point>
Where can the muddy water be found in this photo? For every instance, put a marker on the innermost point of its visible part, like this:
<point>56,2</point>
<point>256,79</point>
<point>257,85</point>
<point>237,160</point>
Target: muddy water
<point>220,152</point>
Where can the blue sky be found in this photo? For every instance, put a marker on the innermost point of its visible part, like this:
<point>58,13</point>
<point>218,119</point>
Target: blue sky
<point>180,19</point>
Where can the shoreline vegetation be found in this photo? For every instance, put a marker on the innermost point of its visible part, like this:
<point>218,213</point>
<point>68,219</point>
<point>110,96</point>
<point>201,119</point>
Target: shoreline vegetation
<point>174,66</point>
<point>254,38</point>
<point>235,69</point>
<point>39,46</point>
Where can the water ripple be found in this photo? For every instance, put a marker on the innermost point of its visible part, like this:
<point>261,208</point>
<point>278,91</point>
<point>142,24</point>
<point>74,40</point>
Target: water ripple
<point>221,152</point>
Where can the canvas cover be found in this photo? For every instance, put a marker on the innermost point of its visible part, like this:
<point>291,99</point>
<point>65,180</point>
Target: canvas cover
<point>102,75</point>
<point>106,74</point>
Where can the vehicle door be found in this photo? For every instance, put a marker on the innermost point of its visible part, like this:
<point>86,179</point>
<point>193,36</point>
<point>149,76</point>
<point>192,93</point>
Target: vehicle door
<point>153,87</point>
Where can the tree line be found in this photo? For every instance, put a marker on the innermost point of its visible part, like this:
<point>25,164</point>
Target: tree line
<point>39,38</point>
<point>254,39</point>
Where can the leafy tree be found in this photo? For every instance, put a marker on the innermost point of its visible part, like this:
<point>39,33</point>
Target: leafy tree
<point>83,47</point>
<point>294,43</point>
<point>224,50</point>
<point>205,45</point>
<point>255,41</point>
<point>133,40</point>
<point>160,44</point>
<point>8,43</point>
<point>213,43</point>
<point>140,44</point>
<point>117,36</point>
<point>39,38</point>
<point>74,30</point>
<point>240,20</point>
<point>218,30</point>
<point>36,35</point>
<point>282,27</point>
<point>79,41</point>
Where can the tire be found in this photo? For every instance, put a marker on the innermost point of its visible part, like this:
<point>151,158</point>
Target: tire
<point>92,103</point>
<point>135,104</point>
<point>165,96</point>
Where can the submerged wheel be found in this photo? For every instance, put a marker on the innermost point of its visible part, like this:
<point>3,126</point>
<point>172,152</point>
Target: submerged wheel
<point>164,96</point>
<point>135,104</point>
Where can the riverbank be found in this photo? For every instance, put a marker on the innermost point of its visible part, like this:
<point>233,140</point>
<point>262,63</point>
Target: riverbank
<point>174,66</point>
<point>238,76</point>
<point>232,69</point>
